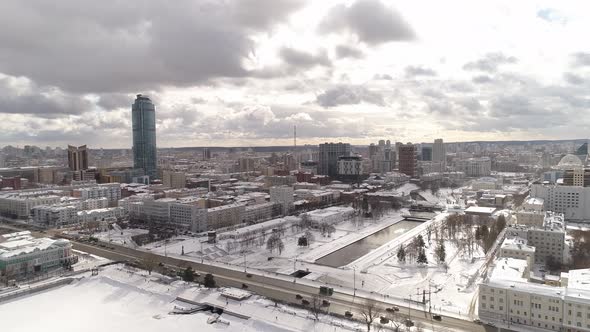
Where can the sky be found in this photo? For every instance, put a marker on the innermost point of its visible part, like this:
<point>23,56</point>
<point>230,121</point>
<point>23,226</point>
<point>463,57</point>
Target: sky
<point>244,72</point>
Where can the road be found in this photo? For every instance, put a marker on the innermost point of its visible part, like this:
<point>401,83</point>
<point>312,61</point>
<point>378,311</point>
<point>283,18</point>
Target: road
<point>281,287</point>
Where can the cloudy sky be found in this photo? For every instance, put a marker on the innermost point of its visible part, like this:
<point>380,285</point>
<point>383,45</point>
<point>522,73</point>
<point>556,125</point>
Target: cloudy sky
<point>243,72</point>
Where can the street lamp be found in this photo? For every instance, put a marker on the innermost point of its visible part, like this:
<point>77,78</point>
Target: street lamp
<point>354,282</point>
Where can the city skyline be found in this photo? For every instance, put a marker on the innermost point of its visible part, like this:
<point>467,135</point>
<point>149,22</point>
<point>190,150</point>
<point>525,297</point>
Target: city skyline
<point>354,71</point>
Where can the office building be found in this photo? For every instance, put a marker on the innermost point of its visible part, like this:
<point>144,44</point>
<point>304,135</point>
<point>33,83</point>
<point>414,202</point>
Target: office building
<point>144,135</point>
<point>408,160</point>
<point>328,157</point>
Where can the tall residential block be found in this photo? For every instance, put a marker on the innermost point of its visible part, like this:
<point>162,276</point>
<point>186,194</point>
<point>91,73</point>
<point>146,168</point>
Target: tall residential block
<point>408,163</point>
<point>328,157</point>
<point>77,158</point>
<point>144,135</point>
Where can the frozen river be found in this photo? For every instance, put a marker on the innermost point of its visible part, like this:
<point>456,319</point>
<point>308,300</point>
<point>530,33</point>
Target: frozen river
<point>363,246</point>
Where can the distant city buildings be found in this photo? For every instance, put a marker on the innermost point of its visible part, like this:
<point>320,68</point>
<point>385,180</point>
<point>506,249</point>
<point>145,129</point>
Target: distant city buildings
<point>382,157</point>
<point>144,135</point>
<point>474,167</point>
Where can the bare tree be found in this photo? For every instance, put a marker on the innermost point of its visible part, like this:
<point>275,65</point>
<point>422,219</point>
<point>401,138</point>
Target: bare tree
<point>275,242</point>
<point>370,311</point>
<point>305,222</point>
<point>327,229</point>
<point>315,306</point>
<point>149,262</point>
<point>309,236</point>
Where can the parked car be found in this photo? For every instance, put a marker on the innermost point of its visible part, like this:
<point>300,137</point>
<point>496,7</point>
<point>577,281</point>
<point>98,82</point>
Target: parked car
<point>437,317</point>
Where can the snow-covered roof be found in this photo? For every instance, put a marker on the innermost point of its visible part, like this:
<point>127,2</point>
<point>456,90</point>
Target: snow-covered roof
<point>18,245</point>
<point>480,210</point>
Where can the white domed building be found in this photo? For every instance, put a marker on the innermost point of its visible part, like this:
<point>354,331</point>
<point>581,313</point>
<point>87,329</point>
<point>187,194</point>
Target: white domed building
<point>570,161</point>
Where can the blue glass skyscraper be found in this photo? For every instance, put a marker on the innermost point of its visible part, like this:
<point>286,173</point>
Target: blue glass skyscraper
<point>143,115</point>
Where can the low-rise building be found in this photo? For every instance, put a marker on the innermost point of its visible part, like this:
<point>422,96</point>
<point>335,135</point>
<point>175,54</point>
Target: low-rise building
<point>22,255</point>
<point>517,248</point>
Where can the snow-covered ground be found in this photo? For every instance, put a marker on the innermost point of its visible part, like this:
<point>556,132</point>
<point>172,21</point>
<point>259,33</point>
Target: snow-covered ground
<point>120,236</point>
<point>122,299</point>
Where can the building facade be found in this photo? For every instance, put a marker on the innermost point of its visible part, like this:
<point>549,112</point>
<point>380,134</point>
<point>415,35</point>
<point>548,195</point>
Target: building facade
<point>328,157</point>
<point>474,167</point>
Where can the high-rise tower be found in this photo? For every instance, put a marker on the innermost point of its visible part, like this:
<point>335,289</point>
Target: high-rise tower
<point>143,115</point>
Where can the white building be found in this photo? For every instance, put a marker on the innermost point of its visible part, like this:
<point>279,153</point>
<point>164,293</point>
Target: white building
<point>100,214</point>
<point>517,248</point>
<point>183,213</point>
<point>350,165</point>
<point>331,215</point>
<point>572,201</point>
<point>21,255</point>
<point>19,204</point>
<point>111,191</point>
<point>474,167</point>
<point>508,297</point>
<point>55,215</point>
<point>548,239</point>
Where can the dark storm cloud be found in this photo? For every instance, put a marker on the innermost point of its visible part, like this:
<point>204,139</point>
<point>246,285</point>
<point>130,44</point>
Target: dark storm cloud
<point>370,20</point>
<point>490,62</point>
<point>413,71</point>
<point>345,51</point>
<point>37,101</point>
<point>349,94</point>
<point>301,59</point>
<point>107,46</point>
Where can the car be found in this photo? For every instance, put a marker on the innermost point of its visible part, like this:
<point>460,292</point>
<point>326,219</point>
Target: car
<point>437,317</point>
<point>477,321</point>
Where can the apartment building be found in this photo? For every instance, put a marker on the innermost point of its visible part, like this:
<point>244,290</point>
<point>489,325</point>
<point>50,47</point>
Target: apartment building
<point>225,216</point>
